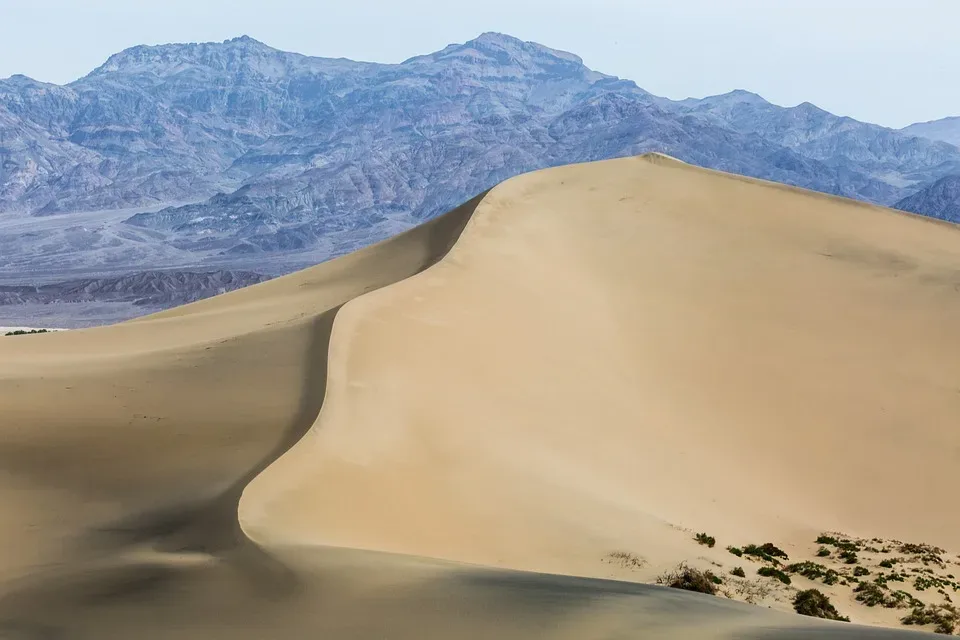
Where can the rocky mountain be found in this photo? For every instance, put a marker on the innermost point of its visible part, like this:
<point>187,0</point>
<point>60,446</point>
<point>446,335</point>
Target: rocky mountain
<point>156,289</point>
<point>235,155</point>
<point>945,130</point>
<point>939,200</point>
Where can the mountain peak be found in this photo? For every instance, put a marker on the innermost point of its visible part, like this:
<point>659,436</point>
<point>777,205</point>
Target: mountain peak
<point>502,49</point>
<point>166,58</point>
<point>245,39</point>
<point>737,96</point>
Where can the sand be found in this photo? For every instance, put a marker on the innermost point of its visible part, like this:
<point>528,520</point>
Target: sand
<point>585,360</point>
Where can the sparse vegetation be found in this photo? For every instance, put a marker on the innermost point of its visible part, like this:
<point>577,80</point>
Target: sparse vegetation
<point>737,551</point>
<point>840,543</point>
<point>690,579</point>
<point>823,552</point>
<point>925,553</point>
<point>900,600</point>
<point>771,572</point>
<point>705,539</point>
<point>739,572</point>
<point>861,571</point>
<point>817,605</point>
<point>626,559</point>
<point>21,332</point>
<point>753,591</point>
<point>814,571</point>
<point>850,557</point>
<point>888,563</point>
<point>869,594</point>
<point>944,616</point>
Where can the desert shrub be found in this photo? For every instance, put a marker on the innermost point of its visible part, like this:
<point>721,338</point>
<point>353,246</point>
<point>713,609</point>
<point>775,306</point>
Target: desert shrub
<point>817,605</point>
<point>626,559</point>
<point>689,579</point>
<point>839,543</point>
<point>823,552</point>
<point>927,553</point>
<point>850,557</point>
<point>900,599</point>
<point>869,594</point>
<point>922,583</point>
<point>887,564</point>
<point>861,571</point>
<point>753,591</point>
<point>21,332</point>
<point>767,551</point>
<point>814,571</point>
<point>704,539</point>
<point>771,572</point>
<point>737,551</point>
<point>738,571</point>
<point>944,616</point>
<point>919,549</point>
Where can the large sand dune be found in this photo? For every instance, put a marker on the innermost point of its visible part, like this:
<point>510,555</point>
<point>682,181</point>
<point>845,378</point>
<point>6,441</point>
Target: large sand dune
<point>584,360</point>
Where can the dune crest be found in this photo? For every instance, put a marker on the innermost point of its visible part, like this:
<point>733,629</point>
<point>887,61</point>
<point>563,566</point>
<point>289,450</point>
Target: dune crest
<point>584,360</point>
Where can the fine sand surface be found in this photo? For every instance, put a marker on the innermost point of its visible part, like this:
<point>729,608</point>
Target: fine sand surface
<point>585,360</point>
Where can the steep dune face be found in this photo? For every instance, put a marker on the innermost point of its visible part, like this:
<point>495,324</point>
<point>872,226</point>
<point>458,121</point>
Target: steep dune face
<point>583,360</point>
<point>615,348</point>
<point>125,448</point>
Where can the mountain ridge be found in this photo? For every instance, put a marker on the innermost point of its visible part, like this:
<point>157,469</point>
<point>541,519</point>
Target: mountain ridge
<point>232,153</point>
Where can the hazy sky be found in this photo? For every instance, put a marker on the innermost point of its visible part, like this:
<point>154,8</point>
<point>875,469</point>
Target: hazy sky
<point>884,61</point>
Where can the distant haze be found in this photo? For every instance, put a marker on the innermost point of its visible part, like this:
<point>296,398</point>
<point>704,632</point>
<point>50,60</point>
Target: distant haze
<point>881,61</point>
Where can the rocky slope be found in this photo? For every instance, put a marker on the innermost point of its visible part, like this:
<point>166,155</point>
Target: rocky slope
<point>156,289</point>
<point>945,130</point>
<point>939,200</point>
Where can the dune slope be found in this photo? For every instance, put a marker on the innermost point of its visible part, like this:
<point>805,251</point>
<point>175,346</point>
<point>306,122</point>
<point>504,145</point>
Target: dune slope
<point>583,360</point>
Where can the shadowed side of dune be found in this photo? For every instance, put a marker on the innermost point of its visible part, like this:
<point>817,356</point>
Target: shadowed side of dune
<point>125,449</point>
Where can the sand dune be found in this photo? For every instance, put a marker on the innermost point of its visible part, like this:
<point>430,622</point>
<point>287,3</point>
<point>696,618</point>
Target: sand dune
<point>584,360</point>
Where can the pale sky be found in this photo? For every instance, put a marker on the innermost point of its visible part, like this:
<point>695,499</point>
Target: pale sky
<point>884,61</point>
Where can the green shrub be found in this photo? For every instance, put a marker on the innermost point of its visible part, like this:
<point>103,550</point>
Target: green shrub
<point>21,332</point>
<point>823,552</point>
<point>737,551</point>
<point>766,551</point>
<point>869,594</point>
<point>861,571</point>
<point>817,605</point>
<point>900,599</point>
<point>770,572</point>
<point>887,564</point>
<point>807,569</point>
<point>814,571</point>
<point>703,538</point>
<point>944,616</point>
<point>738,571</point>
<point>839,543</point>
<point>850,557</point>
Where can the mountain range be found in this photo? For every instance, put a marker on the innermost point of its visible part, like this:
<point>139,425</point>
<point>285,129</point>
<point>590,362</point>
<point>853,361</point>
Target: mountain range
<point>235,155</point>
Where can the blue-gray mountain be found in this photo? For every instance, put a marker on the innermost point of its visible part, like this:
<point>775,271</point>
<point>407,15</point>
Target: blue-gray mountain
<point>946,130</point>
<point>939,200</point>
<point>279,154</point>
